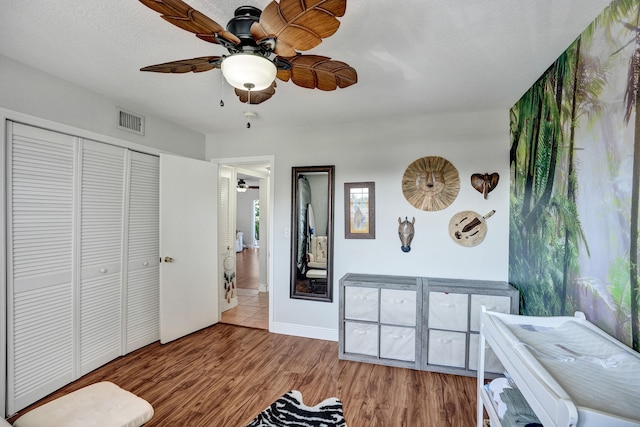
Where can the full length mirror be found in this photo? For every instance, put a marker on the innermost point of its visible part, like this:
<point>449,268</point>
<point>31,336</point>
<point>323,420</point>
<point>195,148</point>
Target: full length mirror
<point>312,189</point>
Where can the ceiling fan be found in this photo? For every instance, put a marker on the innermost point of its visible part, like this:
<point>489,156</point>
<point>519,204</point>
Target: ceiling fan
<point>263,45</point>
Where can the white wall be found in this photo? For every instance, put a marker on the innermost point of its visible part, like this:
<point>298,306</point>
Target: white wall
<point>26,90</point>
<point>244,214</point>
<point>380,152</point>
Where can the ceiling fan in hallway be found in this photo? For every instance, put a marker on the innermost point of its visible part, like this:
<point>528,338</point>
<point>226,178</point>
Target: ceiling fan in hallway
<point>263,45</point>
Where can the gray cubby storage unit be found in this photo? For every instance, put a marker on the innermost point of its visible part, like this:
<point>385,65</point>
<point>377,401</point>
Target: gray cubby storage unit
<point>381,319</point>
<point>418,322</point>
<point>452,322</point>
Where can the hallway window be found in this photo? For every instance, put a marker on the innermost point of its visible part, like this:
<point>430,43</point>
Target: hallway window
<point>256,223</point>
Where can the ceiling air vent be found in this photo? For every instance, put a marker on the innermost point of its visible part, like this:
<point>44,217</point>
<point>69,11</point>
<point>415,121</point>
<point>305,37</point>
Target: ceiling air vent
<point>130,122</point>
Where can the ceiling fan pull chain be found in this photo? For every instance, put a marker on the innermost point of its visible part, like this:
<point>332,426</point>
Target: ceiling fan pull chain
<point>221,90</point>
<point>249,116</point>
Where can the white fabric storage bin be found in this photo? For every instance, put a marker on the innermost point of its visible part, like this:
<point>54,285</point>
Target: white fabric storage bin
<point>497,303</point>
<point>398,343</point>
<point>361,338</point>
<point>361,303</point>
<point>448,311</point>
<point>491,361</point>
<point>398,307</point>
<point>447,348</point>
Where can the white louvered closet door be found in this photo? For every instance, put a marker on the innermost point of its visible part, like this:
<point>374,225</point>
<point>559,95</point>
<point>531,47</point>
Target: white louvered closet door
<point>40,312</point>
<point>101,233</point>
<point>143,271</point>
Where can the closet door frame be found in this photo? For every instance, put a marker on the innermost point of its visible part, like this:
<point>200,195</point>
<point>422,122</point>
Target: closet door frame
<point>4,130</point>
<point>7,116</point>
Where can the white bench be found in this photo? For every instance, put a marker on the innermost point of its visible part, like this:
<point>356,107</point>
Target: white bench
<point>103,404</point>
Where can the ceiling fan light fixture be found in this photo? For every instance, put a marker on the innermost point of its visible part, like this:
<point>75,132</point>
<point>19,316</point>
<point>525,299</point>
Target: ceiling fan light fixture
<point>242,186</point>
<point>247,71</point>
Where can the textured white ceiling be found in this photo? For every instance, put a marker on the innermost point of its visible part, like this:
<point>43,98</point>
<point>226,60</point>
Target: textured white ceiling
<point>413,57</point>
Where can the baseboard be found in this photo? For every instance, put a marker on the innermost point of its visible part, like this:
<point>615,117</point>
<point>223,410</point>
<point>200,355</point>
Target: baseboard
<point>304,331</point>
<point>262,288</point>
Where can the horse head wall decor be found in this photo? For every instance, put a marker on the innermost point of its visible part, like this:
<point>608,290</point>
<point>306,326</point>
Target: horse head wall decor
<point>406,232</point>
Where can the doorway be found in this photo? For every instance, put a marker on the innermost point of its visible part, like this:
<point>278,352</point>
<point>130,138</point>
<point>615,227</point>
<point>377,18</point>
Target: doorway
<point>253,306</point>
<point>252,219</point>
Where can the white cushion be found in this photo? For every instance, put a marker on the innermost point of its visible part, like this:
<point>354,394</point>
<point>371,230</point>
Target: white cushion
<point>317,265</point>
<point>103,404</point>
<point>317,274</point>
<point>319,248</point>
<point>4,423</point>
<point>318,256</point>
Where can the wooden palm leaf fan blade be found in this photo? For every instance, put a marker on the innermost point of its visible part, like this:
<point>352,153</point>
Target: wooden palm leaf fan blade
<point>298,25</point>
<point>195,65</point>
<point>257,96</point>
<point>318,72</point>
<point>184,16</point>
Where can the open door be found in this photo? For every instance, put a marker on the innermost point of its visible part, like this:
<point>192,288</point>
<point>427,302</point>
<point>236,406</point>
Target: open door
<point>188,248</point>
<point>226,238</point>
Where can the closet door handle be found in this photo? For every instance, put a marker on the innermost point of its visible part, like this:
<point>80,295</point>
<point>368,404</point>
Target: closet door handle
<point>103,270</point>
<point>168,259</point>
<point>146,263</point>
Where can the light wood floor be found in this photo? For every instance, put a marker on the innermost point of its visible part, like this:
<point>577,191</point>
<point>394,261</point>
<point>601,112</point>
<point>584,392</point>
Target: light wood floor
<point>224,375</point>
<point>248,268</point>
<point>253,306</point>
<point>252,310</point>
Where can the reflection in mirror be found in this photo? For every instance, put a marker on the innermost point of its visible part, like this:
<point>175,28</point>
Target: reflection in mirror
<point>312,190</point>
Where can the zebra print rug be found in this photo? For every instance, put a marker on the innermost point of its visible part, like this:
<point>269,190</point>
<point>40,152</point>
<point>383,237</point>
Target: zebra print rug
<point>290,411</point>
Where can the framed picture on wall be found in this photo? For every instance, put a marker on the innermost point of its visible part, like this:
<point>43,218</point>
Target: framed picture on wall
<point>359,210</point>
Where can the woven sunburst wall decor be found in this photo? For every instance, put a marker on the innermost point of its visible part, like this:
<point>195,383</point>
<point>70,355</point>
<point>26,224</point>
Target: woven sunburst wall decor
<point>431,183</point>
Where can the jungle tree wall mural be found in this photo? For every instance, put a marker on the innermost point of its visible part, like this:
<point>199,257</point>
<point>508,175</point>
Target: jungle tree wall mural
<point>575,180</point>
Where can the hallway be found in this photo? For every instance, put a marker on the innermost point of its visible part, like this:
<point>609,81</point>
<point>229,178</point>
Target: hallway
<point>253,306</point>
